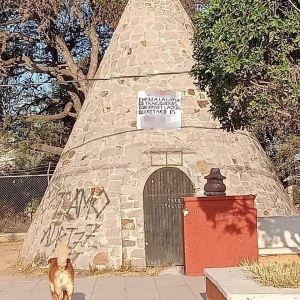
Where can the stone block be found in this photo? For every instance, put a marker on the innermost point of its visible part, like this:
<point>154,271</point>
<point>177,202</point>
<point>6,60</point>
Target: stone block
<point>66,204</point>
<point>116,250</point>
<point>233,179</point>
<point>203,167</point>
<point>126,190</point>
<point>126,205</point>
<point>158,159</point>
<point>127,176</point>
<point>82,261</point>
<point>138,262</point>
<point>191,92</point>
<point>138,204</point>
<point>137,253</point>
<point>245,177</point>
<point>100,258</point>
<point>126,234</point>
<point>114,185</point>
<point>126,254</point>
<point>128,224</point>
<point>138,234</point>
<point>132,150</point>
<point>129,243</point>
<point>174,159</point>
<point>136,214</point>
<point>109,224</point>
<point>112,233</point>
<point>115,242</point>
<point>141,243</point>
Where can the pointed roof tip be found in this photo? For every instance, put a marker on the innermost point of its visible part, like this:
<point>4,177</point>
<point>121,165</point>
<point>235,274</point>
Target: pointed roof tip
<point>161,6</point>
<point>153,36</point>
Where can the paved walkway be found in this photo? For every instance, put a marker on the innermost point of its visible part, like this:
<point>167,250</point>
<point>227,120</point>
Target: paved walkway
<point>111,288</point>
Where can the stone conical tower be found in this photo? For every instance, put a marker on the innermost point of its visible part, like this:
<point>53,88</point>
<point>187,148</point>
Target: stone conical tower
<point>95,199</point>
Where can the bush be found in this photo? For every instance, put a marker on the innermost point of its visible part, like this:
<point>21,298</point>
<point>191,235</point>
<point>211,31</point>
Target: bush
<point>296,194</point>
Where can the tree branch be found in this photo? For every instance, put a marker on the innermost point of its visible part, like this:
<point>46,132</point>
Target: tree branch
<point>75,70</point>
<point>295,7</point>
<point>41,69</point>
<point>77,9</point>
<point>75,98</point>
<point>76,101</point>
<point>28,62</point>
<point>20,35</point>
<point>94,51</point>
<point>10,62</point>
<point>47,148</point>
<point>11,22</point>
<point>59,116</point>
<point>261,85</point>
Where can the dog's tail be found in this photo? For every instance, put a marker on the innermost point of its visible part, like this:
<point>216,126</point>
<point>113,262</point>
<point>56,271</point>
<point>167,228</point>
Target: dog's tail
<point>62,255</point>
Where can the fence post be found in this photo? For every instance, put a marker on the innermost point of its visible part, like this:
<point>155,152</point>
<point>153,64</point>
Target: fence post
<point>48,172</point>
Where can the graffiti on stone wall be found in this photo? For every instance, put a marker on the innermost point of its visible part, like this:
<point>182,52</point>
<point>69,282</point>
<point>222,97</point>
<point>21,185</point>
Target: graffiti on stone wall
<point>53,235</point>
<point>76,219</point>
<point>82,205</point>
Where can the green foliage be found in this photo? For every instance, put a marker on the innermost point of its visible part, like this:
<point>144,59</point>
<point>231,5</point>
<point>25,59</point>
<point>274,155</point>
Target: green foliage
<point>19,142</point>
<point>247,57</point>
<point>33,205</point>
<point>286,159</point>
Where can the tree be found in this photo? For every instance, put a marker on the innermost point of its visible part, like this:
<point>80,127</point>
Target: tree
<point>248,59</point>
<point>51,42</point>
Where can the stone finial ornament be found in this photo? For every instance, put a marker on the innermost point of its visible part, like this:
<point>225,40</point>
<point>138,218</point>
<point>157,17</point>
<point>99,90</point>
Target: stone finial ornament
<point>215,185</point>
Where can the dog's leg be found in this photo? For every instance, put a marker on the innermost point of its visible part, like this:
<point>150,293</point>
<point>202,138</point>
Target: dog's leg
<point>53,292</point>
<point>70,296</point>
<point>65,295</point>
<point>69,292</point>
<point>54,296</point>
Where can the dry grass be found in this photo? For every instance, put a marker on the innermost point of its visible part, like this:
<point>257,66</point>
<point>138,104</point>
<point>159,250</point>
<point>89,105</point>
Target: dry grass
<point>12,242</point>
<point>275,274</point>
<point>31,271</point>
<point>94,272</point>
<point>12,268</point>
<point>125,270</point>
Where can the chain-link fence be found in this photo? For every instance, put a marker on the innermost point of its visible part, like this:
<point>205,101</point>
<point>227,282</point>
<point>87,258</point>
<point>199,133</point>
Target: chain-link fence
<point>20,196</point>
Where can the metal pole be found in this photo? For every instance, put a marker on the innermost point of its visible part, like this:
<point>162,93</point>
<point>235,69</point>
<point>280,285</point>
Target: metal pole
<point>48,172</point>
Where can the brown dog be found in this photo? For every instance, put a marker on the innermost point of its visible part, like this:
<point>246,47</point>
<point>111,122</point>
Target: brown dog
<point>61,274</point>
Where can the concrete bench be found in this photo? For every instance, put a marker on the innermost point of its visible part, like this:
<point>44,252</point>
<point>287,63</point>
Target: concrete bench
<point>235,284</point>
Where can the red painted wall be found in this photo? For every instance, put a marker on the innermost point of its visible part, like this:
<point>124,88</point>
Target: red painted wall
<point>218,232</point>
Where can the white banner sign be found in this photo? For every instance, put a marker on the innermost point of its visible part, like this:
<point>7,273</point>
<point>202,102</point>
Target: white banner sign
<point>159,109</point>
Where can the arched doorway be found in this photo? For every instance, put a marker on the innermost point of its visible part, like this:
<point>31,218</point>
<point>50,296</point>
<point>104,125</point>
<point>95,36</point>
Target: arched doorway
<point>163,216</point>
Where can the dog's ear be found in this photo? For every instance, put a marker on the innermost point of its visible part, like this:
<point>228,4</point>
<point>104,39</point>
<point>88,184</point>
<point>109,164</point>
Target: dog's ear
<point>69,261</point>
<point>50,260</point>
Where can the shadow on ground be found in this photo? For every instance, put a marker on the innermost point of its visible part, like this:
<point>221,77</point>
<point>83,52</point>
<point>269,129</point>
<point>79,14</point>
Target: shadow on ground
<point>79,296</point>
<point>203,295</point>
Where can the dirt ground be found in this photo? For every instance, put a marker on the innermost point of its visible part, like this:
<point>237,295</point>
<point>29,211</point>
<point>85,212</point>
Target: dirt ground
<point>9,252</point>
<point>8,256</point>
